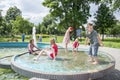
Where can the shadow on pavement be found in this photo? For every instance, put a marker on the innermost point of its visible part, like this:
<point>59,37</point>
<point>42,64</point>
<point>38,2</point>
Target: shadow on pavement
<point>114,75</point>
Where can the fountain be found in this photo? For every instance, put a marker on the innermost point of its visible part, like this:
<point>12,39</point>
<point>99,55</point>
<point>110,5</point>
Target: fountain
<point>33,35</point>
<point>66,67</point>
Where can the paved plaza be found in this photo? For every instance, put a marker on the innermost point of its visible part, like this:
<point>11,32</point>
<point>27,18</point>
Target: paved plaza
<point>115,74</point>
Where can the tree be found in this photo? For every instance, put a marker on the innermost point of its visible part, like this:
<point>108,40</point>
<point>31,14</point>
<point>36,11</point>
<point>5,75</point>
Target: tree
<point>116,29</point>
<point>12,13</point>
<point>41,28</point>
<point>104,19</point>
<point>48,24</point>
<point>0,18</point>
<point>21,25</point>
<point>69,12</point>
<point>3,25</point>
<point>115,4</point>
<point>1,22</point>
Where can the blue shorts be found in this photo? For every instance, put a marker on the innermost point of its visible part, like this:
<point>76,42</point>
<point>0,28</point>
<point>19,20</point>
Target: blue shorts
<point>93,50</point>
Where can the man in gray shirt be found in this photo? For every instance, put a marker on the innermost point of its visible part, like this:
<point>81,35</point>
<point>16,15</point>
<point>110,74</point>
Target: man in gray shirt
<point>94,39</point>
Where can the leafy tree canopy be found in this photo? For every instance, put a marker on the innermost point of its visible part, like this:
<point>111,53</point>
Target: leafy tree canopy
<point>104,19</point>
<point>12,13</point>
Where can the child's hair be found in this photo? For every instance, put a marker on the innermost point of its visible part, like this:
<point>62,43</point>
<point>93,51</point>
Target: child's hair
<point>52,41</point>
<point>78,38</point>
<point>71,28</point>
<point>90,24</point>
<point>31,40</point>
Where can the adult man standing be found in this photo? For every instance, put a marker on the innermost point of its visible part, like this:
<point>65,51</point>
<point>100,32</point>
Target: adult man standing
<point>95,41</point>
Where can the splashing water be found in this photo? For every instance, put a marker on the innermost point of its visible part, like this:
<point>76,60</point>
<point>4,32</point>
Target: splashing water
<point>33,35</point>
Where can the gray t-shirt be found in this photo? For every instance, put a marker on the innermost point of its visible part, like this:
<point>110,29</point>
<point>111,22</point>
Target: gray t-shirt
<point>93,37</point>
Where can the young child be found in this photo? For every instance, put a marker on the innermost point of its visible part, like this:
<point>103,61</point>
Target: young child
<point>31,47</point>
<point>66,38</point>
<point>75,44</point>
<point>95,41</point>
<point>50,52</point>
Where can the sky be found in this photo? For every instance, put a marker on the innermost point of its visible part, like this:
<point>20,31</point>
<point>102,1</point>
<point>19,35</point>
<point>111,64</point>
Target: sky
<point>35,11</point>
<point>31,9</point>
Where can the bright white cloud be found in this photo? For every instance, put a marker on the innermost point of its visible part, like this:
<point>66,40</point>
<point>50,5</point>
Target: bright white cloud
<point>93,10</point>
<point>117,15</point>
<point>35,11</point>
<point>31,9</point>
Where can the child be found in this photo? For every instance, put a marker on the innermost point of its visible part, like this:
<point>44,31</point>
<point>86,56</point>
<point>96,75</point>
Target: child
<point>95,41</point>
<point>31,47</point>
<point>66,38</point>
<point>50,52</point>
<point>75,44</point>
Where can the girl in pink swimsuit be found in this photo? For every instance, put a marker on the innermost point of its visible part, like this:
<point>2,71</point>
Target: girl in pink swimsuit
<point>66,38</point>
<point>50,52</point>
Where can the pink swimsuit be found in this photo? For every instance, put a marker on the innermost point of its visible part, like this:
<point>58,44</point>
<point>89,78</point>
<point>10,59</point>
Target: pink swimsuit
<point>55,50</point>
<point>30,48</point>
<point>66,38</point>
<point>75,44</point>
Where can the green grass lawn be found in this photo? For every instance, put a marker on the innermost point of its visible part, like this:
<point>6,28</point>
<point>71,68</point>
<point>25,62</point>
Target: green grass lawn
<point>8,74</point>
<point>109,42</point>
<point>113,43</point>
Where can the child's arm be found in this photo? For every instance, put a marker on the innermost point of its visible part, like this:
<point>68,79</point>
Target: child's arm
<point>36,47</point>
<point>29,48</point>
<point>53,54</point>
<point>99,40</point>
<point>77,44</point>
<point>86,41</point>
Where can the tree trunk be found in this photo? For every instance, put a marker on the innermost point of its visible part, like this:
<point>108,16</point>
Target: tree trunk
<point>103,34</point>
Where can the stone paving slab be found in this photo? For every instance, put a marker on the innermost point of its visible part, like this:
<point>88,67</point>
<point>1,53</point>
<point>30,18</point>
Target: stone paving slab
<point>115,53</point>
<point>114,75</point>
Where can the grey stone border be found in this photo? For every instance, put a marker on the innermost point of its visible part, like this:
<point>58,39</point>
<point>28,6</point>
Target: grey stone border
<point>62,76</point>
<point>4,65</point>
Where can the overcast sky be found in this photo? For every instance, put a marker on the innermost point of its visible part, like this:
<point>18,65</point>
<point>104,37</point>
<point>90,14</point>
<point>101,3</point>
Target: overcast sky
<point>33,9</point>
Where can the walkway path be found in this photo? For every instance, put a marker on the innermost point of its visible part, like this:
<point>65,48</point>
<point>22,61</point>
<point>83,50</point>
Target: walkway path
<point>115,75</point>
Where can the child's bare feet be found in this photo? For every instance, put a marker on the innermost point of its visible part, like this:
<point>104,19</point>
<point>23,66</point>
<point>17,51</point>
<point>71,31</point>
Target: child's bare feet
<point>95,62</point>
<point>66,51</point>
<point>90,60</point>
<point>74,53</point>
<point>35,59</point>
